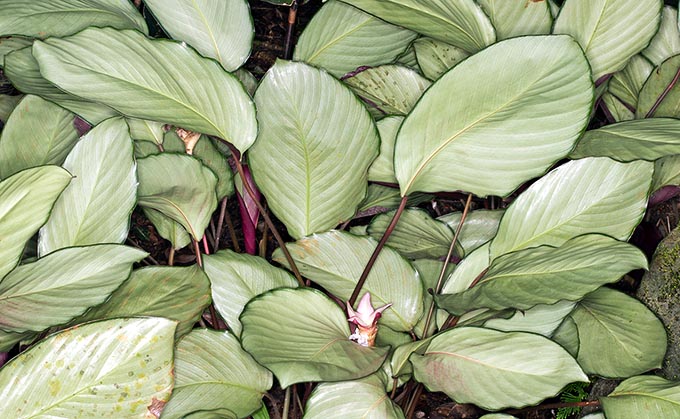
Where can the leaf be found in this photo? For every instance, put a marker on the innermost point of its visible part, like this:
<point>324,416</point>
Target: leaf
<point>315,145</point>
<point>26,200</point>
<point>666,172</point>
<point>619,336</point>
<point>616,108</point>
<point>382,168</point>
<point>429,271</point>
<point>480,227</point>
<point>173,292</point>
<point>340,38</point>
<point>45,18</point>
<point>660,95</point>
<point>38,133</point>
<point>436,57</point>
<point>119,368</point>
<point>592,195</point>
<point>499,95</point>
<point>174,83</point>
<point>9,339</point>
<point>666,42</point>
<point>220,30</point>
<point>7,105</point>
<point>609,31</point>
<point>545,274</point>
<point>643,397</point>
<point>643,139</point>
<point>567,336</point>
<point>391,89</point>
<point>213,372</point>
<point>542,319</point>
<point>473,365</point>
<point>168,228</point>
<point>335,260</point>
<point>301,335</point>
<point>180,187</point>
<point>626,84</point>
<point>461,23</point>
<point>235,279</point>
<point>365,399</point>
<point>513,18</point>
<point>11,43</point>
<point>38,295</point>
<point>141,129</point>
<point>96,206</point>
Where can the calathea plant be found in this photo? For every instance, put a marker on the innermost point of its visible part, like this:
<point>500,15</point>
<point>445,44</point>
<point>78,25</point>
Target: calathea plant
<point>384,104</point>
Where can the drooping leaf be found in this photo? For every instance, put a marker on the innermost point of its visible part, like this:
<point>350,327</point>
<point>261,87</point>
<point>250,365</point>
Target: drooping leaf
<point>168,228</point>
<point>543,319</point>
<point>341,38</point>
<point>436,57</point>
<point>666,172</point>
<point>41,294</point>
<point>171,82</point>
<point>302,335</point>
<point>513,18</point>
<point>471,365</point>
<point>45,18</point>
<point>666,42</point>
<point>496,141</point>
<point>567,336</point>
<point>315,145</point>
<point>461,23</point>
<point>660,95</point>
<point>119,368</point>
<point>592,195</point>
<point>546,274</point>
<point>609,31</point>
<point>626,84</point>
<point>619,336</point>
<point>382,168</point>
<point>174,292</point>
<point>180,187</point>
<point>96,206</point>
<point>213,372</point>
<point>335,261</point>
<point>479,227</point>
<point>221,30</point>
<point>358,399</point>
<point>235,279</point>
<point>643,397</point>
<point>38,133</point>
<point>26,200</point>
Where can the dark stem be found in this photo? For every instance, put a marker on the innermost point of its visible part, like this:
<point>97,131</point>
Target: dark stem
<point>232,232</point>
<point>220,224</point>
<point>197,251</point>
<point>555,406</point>
<point>411,407</point>
<point>663,95</point>
<point>292,16</point>
<point>376,252</point>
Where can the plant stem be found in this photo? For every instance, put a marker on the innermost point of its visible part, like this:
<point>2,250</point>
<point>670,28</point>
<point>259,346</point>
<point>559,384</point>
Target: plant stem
<point>286,403</point>
<point>220,224</point>
<point>411,407</point>
<point>452,320</point>
<point>232,232</point>
<point>663,95</point>
<point>197,251</point>
<point>171,256</point>
<point>292,16</point>
<point>376,252</point>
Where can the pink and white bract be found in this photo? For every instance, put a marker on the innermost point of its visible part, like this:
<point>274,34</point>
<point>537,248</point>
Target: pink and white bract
<point>366,320</point>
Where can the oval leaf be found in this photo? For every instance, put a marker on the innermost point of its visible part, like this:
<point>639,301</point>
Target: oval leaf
<point>513,18</point>
<point>542,319</point>
<point>436,57</point>
<point>666,42</point>
<point>626,84</point>
<point>660,95</point>
<point>643,397</point>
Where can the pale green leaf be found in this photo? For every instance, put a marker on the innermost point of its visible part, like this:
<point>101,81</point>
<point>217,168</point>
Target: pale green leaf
<point>41,294</point>
<point>384,198</point>
<point>341,38</point>
<point>660,95</point>
<point>235,279</point>
<point>436,57</point>
<point>592,195</point>
<point>626,84</point>
<point>213,372</point>
<point>7,105</point>
<point>513,18</point>
<point>315,145</point>
<point>619,336</point>
<point>609,31</point>
<point>168,228</point>
<point>567,336</point>
<point>247,80</point>
<point>38,133</point>
<point>527,113</point>
<point>480,227</point>
<point>643,397</point>
<point>119,369</point>
<point>542,319</point>
<point>11,43</point>
<point>335,261</point>
<point>9,339</point>
<point>170,83</point>
<point>96,206</point>
<point>382,168</point>
<point>144,130</point>
<point>408,59</point>
<point>399,362</point>
<point>498,416</point>
<point>616,108</point>
<point>666,172</point>
<point>666,42</point>
<point>495,370</point>
<point>26,200</point>
<point>302,335</point>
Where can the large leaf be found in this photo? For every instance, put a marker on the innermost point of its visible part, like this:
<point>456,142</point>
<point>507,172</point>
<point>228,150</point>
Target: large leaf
<point>341,38</point>
<point>436,57</point>
<point>26,200</point>
<point>96,206</point>
<point>119,368</point>
<point>592,195</point>
<point>520,105</point>
<point>222,30</point>
<point>302,335</point>
<point>38,133</point>
<point>609,31</point>
<point>643,139</point>
<point>44,18</point>
<point>518,17</point>
<point>660,95</point>
<point>41,294</point>
<point>235,279</point>
<point>619,336</point>
<point>643,397</point>
<point>358,399</point>
<point>495,370</point>
<point>543,319</point>
<point>170,82</point>
<point>335,260</point>
<point>173,292</point>
<point>461,23</point>
<point>213,372</point>
<point>315,145</point>
<point>666,42</point>
<point>545,274</point>
<point>180,187</point>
